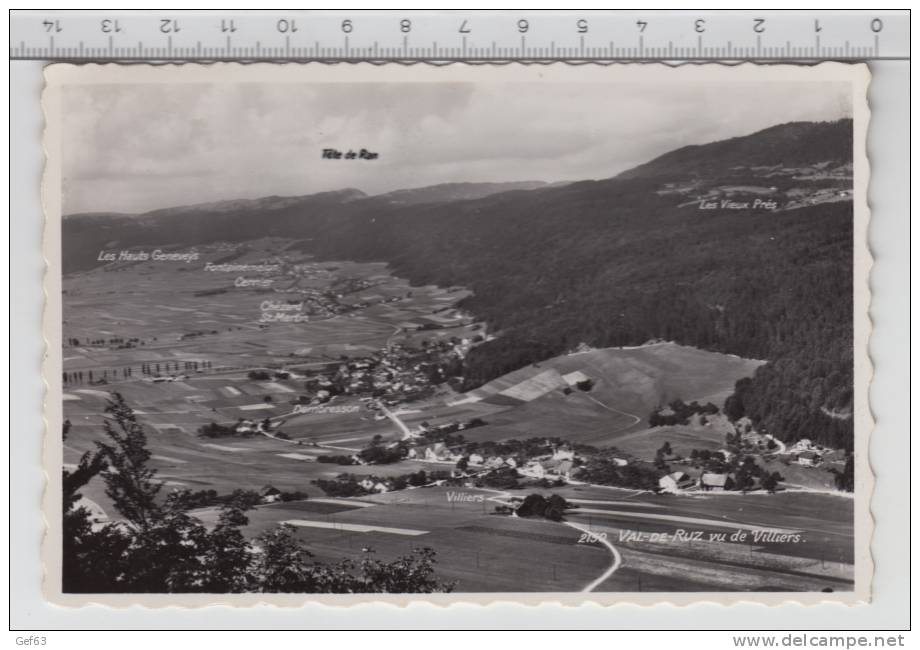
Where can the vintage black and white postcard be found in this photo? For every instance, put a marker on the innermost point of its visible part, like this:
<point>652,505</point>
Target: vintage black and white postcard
<point>394,333</point>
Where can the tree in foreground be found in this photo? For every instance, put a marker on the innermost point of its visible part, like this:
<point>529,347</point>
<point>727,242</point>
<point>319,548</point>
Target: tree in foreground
<point>158,546</point>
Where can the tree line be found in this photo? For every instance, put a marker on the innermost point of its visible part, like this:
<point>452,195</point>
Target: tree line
<point>158,546</point>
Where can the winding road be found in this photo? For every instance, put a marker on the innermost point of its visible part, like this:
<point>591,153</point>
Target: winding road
<point>502,498</point>
<point>617,558</point>
<point>636,418</point>
<point>780,444</point>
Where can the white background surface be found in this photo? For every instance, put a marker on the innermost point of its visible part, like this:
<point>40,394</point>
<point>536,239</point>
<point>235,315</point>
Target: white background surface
<point>889,240</point>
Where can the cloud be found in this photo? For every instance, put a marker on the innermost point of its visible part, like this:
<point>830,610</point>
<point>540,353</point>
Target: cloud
<point>138,147</point>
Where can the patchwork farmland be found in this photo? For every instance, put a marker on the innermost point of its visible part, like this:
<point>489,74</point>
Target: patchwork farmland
<point>189,348</point>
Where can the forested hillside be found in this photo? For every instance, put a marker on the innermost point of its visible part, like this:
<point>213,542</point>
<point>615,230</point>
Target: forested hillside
<point>607,263</point>
<point>791,144</point>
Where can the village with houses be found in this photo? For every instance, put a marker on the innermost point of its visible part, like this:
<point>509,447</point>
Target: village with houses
<point>323,295</point>
<point>774,187</point>
<point>420,364</point>
<point>746,464</point>
<point>395,374</point>
<point>408,377</point>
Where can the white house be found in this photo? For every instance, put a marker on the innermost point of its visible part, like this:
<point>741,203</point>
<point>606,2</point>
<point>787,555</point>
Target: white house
<point>561,468</point>
<point>533,469</point>
<point>438,452</point>
<point>804,444</point>
<point>563,453</point>
<point>476,459</point>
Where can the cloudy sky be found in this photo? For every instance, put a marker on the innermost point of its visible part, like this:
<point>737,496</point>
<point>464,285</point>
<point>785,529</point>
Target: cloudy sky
<point>131,148</point>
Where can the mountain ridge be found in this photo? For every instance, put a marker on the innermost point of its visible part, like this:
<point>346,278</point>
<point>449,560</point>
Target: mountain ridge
<point>791,143</point>
<point>798,139</point>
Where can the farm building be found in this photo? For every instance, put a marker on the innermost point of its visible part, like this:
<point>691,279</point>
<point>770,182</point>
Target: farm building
<point>270,494</point>
<point>675,482</point>
<point>808,458</point>
<point>575,377</point>
<point>560,468</point>
<point>713,481</point>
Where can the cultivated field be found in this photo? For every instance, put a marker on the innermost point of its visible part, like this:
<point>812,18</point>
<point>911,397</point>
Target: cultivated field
<point>199,333</point>
<point>482,551</point>
<point>181,312</point>
<point>628,383</point>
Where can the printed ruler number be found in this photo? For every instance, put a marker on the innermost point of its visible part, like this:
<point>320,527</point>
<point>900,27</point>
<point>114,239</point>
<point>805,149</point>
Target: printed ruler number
<point>523,25</point>
<point>108,26</point>
<point>405,25</point>
<point>347,27</point>
<point>284,25</point>
<point>169,26</point>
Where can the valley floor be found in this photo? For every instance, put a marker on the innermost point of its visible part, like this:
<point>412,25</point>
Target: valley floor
<point>615,540</point>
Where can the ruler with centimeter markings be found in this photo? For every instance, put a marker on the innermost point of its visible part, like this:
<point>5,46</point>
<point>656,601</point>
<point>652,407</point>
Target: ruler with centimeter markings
<point>396,35</point>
